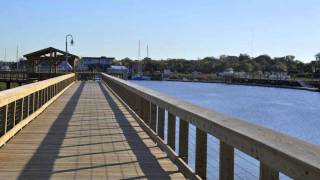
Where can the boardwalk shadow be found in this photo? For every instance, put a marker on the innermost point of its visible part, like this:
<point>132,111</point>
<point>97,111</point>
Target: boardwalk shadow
<point>151,169</point>
<point>40,166</point>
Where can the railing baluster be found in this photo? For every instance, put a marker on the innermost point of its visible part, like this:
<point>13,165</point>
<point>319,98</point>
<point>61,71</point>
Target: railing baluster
<point>183,139</point>
<point>27,106</point>
<point>38,99</point>
<point>14,113</point>
<point>153,117</point>
<point>6,118</point>
<point>146,112</point>
<point>161,122</point>
<point>171,131</point>
<point>201,153</point>
<point>22,109</point>
<point>137,105</point>
<point>267,173</point>
<point>141,109</point>
<point>226,168</point>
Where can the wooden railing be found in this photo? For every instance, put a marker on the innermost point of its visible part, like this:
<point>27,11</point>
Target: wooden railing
<point>23,76</point>
<point>13,76</point>
<point>276,152</point>
<point>18,106</point>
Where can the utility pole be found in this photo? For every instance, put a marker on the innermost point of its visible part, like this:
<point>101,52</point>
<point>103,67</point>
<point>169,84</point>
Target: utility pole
<point>139,51</point>
<point>17,57</point>
<point>139,62</point>
<point>147,51</point>
<point>5,54</point>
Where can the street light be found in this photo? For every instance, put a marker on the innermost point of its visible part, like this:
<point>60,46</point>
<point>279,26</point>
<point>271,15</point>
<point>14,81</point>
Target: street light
<point>71,42</point>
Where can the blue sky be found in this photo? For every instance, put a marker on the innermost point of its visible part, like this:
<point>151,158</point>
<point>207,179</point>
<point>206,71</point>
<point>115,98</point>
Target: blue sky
<point>172,28</point>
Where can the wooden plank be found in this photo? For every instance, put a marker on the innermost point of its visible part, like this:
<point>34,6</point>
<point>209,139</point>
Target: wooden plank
<point>201,153</point>
<point>267,173</point>
<point>171,134</point>
<point>226,163</point>
<point>183,139</point>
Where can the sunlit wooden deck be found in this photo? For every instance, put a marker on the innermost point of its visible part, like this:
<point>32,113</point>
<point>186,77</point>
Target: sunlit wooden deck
<point>85,134</point>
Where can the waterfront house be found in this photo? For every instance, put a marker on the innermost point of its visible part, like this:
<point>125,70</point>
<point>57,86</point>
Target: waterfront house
<point>95,63</point>
<point>167,72</point>
<point>228,72</point>
<point>118,71</point>
<point>280,75</point>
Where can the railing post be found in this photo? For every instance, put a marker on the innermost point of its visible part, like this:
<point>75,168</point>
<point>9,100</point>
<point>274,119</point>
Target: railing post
<point>267,173</point>
<point>161,122</point>
<point>146,112</point>
<point>153,117</point>
<point>183,139</point>
<point>14,113</point>
<point>42,97</point>
<point>141,107</point>
<point>171,134</point>
<point>47,93</point>
<point>6,119</point>
<point>38,99</point>
<point>33,102</point>
<point>28,105</point>
<point>22,109</point>
<point>226,168</point>
<point>201,153</point>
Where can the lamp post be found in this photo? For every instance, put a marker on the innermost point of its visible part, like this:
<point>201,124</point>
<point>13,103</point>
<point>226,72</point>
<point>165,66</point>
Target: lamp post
<point>71,42</point>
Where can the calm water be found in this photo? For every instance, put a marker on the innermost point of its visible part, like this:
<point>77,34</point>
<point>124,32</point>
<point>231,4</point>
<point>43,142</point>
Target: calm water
<point>293,112</point>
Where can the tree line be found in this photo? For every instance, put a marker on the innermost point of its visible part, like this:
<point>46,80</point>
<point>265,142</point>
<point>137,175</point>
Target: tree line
<point>241,63</point>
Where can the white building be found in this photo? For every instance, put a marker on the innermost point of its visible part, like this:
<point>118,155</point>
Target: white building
<point>95,63</point>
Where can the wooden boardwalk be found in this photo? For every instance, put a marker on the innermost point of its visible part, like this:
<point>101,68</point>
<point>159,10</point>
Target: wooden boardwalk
<point>85,134</point>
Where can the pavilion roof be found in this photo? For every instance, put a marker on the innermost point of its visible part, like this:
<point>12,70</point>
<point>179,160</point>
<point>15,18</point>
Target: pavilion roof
<point>48,50</point>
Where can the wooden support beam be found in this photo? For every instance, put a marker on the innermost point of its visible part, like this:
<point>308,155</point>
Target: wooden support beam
<point>183,139</point>
<point>226,168</point>
<point>171,131</point>
<point>201,153</point>
<point>267,173</point>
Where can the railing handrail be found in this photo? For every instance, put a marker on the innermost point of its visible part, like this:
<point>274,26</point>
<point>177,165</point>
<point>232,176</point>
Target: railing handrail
<point>11,95</point>
<point>286,154</point>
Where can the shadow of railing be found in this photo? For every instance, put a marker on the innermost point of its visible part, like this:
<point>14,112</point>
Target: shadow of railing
<point>41,165</point>
<point>149,169</point>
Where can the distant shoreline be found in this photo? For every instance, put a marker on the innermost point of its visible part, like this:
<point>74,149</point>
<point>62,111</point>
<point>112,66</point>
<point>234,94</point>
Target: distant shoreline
<point>250,84</point>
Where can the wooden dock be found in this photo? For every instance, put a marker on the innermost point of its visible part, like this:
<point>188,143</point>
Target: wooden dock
<point>85,134</point>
